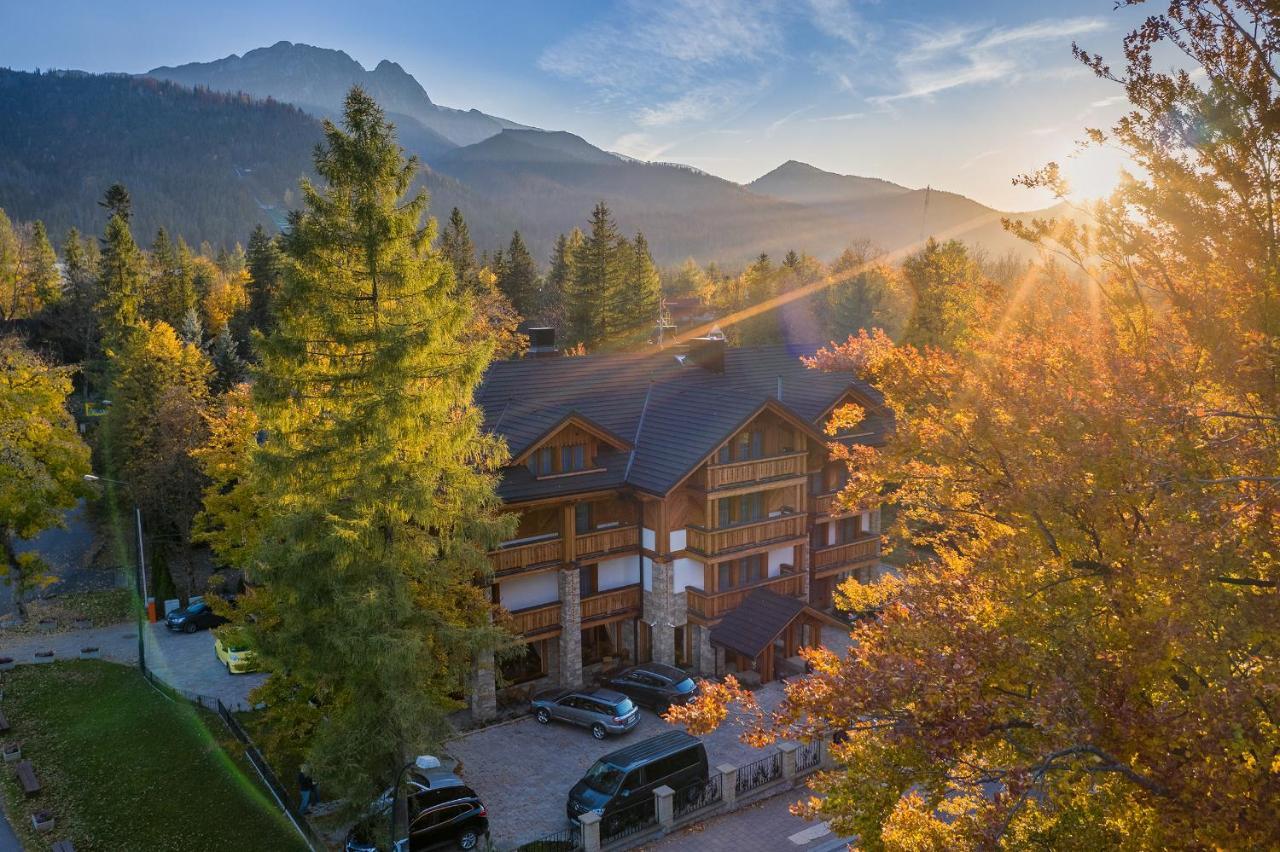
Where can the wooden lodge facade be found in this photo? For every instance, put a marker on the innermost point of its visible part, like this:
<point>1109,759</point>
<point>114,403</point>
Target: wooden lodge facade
<point>656,495</point>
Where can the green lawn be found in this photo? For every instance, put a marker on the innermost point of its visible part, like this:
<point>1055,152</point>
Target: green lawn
<point>124,767</point>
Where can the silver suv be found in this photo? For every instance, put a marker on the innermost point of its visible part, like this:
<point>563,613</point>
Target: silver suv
<point>602,710</point>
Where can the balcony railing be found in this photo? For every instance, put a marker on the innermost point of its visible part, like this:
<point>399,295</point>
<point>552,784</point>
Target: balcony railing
<point>711,606</point>
<point>536,619</point>
<point>607,540</point>
<point>841,555</point>
<point>755,470</point>
<point>829,504</point>
<point>612,602</point>
<point>513,557</point>
<point>710,542</point>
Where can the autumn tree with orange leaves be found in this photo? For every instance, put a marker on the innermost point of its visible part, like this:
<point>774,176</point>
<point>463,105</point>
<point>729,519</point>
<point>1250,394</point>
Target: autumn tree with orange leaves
<point>1086,658</point>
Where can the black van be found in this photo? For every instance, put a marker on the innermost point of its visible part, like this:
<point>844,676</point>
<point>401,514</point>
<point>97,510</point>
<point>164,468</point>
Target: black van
<point>631,774</point>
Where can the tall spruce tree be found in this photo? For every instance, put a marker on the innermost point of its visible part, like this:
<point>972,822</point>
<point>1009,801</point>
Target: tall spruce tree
<point>76,318</point>
<point>172,291</point>
<point>121,271</point>
<point>42,267</point>
<point>556,287</point>
<point>518,277</point>
<point>376,484</point>
<point>12,280</point>
<point>458,249</point>
<point>599,276</point>
<point>265,270</point>
<point>642,294</point>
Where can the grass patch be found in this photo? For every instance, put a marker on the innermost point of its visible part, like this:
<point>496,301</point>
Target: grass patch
<point>100,608</point>
<point>125,767</point>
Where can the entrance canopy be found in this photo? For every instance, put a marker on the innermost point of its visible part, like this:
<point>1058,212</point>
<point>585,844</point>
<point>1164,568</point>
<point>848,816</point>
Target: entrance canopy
<point>758,622</point>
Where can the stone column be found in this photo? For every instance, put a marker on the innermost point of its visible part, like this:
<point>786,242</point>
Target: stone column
<point>659,612</point>
<point>484,691</point>
<point>628,630</point>
<point>728,785</point>
<point>590,832</point>
<point>789,750</point>
<point>665,797</point>
<point>828,759</point>
<point>704,656</point>
<point>570,628</point>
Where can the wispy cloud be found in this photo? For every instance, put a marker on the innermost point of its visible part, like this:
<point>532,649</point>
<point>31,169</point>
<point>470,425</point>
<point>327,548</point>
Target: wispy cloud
<point>777,125</point>
<point>844,116</point>
<point>839,19</point>
<point>979,157</point>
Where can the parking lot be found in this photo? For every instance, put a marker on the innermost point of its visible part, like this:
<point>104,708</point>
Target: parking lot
<point>523,770</point>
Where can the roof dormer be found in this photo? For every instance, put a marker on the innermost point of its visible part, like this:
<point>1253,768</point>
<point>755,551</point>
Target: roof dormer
<point>570,447</point>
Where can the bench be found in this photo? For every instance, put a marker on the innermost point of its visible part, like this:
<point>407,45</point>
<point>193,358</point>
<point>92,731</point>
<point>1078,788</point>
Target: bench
<point>27,777</point>
<point>63,846</point>
<point>4,723</point>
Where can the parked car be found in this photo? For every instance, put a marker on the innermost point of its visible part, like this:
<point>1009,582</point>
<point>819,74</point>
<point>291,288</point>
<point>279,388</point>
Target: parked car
<point>654,685</point>
<point>235,653</point>
<point>603,711</point>
<point>197,615</point>
<point>443,811</point>
<point>676,759</point>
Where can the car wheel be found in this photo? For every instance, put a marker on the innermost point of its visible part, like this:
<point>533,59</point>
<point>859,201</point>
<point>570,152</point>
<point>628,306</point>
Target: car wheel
<point>661,708</point>
<point>188,628</point>
<point>598,731</point>
<point>468,839</point>
<point>543,715</point>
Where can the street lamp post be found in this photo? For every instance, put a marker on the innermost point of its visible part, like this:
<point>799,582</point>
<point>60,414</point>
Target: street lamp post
<point>140,567</point>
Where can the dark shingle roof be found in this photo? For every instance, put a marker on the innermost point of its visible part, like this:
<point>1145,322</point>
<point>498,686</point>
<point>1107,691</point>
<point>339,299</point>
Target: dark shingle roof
<point>675,415</point>
<point>757,621</point>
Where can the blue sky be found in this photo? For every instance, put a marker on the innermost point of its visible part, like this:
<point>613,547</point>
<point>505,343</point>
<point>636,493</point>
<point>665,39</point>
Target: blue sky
<point>959,95</point>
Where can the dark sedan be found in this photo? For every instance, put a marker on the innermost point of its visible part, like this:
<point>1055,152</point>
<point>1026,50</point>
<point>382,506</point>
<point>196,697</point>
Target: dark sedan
<point>654,685</point>
<point>196,616</point>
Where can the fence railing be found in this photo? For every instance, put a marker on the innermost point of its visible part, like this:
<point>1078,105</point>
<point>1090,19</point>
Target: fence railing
<point>697,796</point>
<point>809,756</point>
<point>565,840</point>
<point>628,820</point>
<point>758,773</point>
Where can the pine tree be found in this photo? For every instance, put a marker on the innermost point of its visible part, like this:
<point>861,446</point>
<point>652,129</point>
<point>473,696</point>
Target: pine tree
<point>457,248</point>
<point>376,483</point>
<point>42,268</point>
<point>117,202</point>
<point>229,368</point>
<point>598,278</point>
<point>121,271</point>
<point>265,268</point>
<point>518,278</point>
<point>171,293</point>
<point>76,318</point>
<point>643,290</point>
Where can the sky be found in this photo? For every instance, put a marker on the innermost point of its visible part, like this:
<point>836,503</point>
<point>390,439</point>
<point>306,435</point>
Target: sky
<point>962,96</point>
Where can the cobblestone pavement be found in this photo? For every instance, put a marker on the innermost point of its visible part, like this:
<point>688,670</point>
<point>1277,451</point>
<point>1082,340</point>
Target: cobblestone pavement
<point>763,825</point>
<point>185,662</point>
<point>523,770</point>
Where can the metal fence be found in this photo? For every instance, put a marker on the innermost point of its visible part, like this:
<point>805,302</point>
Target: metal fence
<point>759,773</point>
<point>809,756</point>
<point>565,840</point>
<point>629,820</point>
<point>698,795</point>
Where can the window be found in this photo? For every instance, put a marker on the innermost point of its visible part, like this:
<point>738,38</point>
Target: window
<point>584,518</point>
<point>741,572</point>
<point>540,462</point>
<point>744,446</point>
<point>743,509</point>
<point>848,529</point>
<point>588,580</point>
<point>598,642</point>
<point>530,665</point>
<point>682,656</point>
<point>573,458</point>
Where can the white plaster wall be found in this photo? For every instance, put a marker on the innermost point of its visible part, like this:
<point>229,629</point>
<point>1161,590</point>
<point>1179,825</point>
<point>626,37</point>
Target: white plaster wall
<point>646,573</point>
<point>614,573</point>
<point>778,557</point>
<point>831,534</point>
<point>530,590</point>
<point>688,573</point>
<point>647,538</point>
<point>678,539</point>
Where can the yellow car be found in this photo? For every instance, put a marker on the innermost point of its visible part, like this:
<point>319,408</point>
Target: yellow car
<point>234,653</point>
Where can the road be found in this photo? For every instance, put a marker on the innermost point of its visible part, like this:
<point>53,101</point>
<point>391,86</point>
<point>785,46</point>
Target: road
<point>768,824</point>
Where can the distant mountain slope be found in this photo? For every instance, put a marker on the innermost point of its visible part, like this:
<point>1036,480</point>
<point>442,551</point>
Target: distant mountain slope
<point>317,79</point>
<point>802,183</point>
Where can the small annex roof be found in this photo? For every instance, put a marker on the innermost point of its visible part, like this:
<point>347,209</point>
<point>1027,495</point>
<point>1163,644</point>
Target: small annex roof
<point>757,622</point>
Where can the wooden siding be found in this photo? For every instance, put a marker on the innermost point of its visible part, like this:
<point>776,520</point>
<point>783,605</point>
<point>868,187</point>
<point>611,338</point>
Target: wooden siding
<point>536,620</point>
<point>843,556</point>
<point>755,470</point>
<point>710,607</point>
<point>829,505</point>
<point>506,560</point>
<point>627,599</point>
<point>710,542</point>
<point>607,541</point>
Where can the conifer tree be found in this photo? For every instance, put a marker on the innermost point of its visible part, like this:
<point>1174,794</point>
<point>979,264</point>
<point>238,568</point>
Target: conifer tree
<point>191,329</point>
<point>121,271</point>
<point>375,483</point>
<point>117,202</point>
<point>557,286</point>
<point>11,278</point>
<point>642,294</point>
<point>229,369</point>
<point>42,267</point>
<point>76,317</point>
<point>518,277</point>
<point>265,268</point>
<point>172,292</point>
<point>459,251</point>
<point>599,277</point>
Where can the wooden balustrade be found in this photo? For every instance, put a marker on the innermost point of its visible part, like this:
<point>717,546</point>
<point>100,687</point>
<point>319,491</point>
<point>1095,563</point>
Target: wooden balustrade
<point>829,504</point>
<point>744,472</point>
<point>533,620</point>
<point>711,606</point>
<point>510,558</point>
<point>708,542</point>
<point>841,555</point>
<point>607,540</point>
<point>612,602</point>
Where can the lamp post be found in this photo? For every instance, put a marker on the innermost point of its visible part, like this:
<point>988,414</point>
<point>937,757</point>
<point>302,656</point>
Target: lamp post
<point>395,797</point>
<point>140,567</point>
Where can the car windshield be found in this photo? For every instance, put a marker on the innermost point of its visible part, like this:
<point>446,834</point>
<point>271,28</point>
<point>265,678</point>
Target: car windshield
<point>603,777</point>
<point>195,608</point>
<point>685,685</point>
<point>623,707</point>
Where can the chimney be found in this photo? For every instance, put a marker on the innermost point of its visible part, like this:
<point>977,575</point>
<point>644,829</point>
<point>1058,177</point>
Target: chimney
<point>542,342</point>
<point>708,353</point>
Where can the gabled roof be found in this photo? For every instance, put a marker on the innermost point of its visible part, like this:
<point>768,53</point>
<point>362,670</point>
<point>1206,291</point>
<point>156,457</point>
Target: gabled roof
<point>756,623</point>
<point>672,416</point>
<point>573,418</point>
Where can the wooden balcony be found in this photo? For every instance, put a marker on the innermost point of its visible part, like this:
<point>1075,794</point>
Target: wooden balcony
<point>727,539</point>
<point>509,559</point>
<point>842,557</point>
<point>627,599</point>
<point>829,505</point>
<point>710,607</point>
<point>607,541</point>
<point>537,620</point>
<point>755,470</point>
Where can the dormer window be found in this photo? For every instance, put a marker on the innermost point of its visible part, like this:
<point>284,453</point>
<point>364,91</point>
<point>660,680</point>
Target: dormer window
<point>541,461</point>
<point>745,445</point>
<point>571,447</point>
<point>573,458</point>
